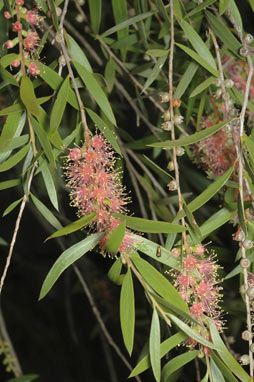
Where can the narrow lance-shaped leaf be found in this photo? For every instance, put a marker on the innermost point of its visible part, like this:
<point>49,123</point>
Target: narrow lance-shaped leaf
<point>226,356</point>
<point>15,159</point>
<point>24,378</point>
<point>95,90</point>
<point>126,23</point>
<point>59,106</point>
<point>49,183</point>
<point>178,362</point>
<point>115,271</point>
<point>74,226</point>
<point>46,213</point>
<point>9,183</point>
<point>199,59</point>
<point>150,226</point>
<point>197,43</point>
<point>67,258</point>
<point>165,347</point>
<point>8,77</point>
<point>201,87</point>
<point>155,72</point>
<point>127,311</point>
<point>115,239</point>
<point>186,79</point>
<point>159,283</point>
<point>44,141</point>
<point>193,138</point>
<point>77,53</point>
<point>28,97</point>
<point>206,195</point>
<point>12,206</point>
<point>120,12</point>
<point>95,14</point>
<point>154,345</point>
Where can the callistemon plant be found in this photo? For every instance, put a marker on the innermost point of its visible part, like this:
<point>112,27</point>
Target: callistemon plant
<point>96,187</point>
<point>197,282</point>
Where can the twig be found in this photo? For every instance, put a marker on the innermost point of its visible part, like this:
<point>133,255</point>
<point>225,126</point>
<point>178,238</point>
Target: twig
<point>100,321</point>
<point>13,241</point>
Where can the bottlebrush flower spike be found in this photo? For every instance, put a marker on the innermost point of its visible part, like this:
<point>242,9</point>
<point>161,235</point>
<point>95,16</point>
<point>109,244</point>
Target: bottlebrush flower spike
<point>197,283</point>
<point>95,187</point>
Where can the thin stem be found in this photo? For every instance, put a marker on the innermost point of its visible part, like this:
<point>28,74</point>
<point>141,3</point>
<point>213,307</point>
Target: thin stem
<point>16,229</point>
<point>21,50</point>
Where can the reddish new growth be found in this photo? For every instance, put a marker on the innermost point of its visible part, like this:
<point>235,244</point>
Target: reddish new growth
<point>95,187</point>
<point>216,153</point>
<point>197,283</point>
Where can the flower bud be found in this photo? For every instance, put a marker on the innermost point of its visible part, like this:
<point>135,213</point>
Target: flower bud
<point>252,348</point>
<point>245,263</point>
<point>15,63</point>
<point>218,82</point>
<point>218,93</point>
<point>17,26</point>
<point>171,166</point>
<point>9,44</point>
<point>248,38</point>
<point>245,359</point>
<point>244,51</point>
<point>225,96</point>
<point>178,119</point>
<point>228,83</point>
<point>166,116</point>
<point>168,125</point>
<point>176,102</point>
<point>180,151</point>
<point>58,11</point>
<point>7,15</point>
<point>247,244</point>
<point>172,186</point>
<point>164,97</point>
<point>246,335</point>
<point>33,69</point>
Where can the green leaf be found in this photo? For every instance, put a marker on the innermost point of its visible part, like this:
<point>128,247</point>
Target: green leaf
<point>161,8</point>
<point>155,72</point>
<point>149,226</point>
<point>115,271</point>
<point>226,356</point>
<point>24,378</point>
<point>105,129</point>
<point>9,183</point>
<point>120,13</point>
<point>178,362</point>
<point>204,85</point>
<point>55,81</point>
<point>223,5</point>
<point>115,239</point>
<point>74,226</point>
<point>157,52</point>
<point>216,374</point>
<point>199,59</point>
<point>49,183</point>
<point>59,106</point>
<point>126,23</point>
<point>250,146</point>
<point>17,107</point>
<point>95,14</point>
<point>159,283</point>
<point>197,43</point>
<point>44,141</point>
<point>46,213</point>
<point>216,221</point>
<point>235,12</point>
<point>28,97</point>
<point>251,2</point>
<point>193,138</point>
<point>7,59</point>
<point>95,90</point>
<point>154,345</point>
<point>206,195</point>
<point>127,311</point>
<point>68,257</point>
<point>185,80</point>
<point>150,249</point>
<point>77,53</point>
<point>192,333</point>
<point>12,206</point>
<point>199,8</point>
<point>223,33</point>
<point>16,142</point>
<point>223,368</point>
<point>165,347</point>
<point>8,77</point>
<point>54,14</point>
<point>14,159</point>
<point>109,74</point>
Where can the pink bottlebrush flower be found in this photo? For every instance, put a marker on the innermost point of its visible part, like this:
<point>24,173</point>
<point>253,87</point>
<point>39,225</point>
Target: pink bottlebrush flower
<point>31,41</point>
<point>95,187</point>
<point>32,17</point>
<point>197,283</point>
<point>17,26</point>
<point>33,69</point>
<point>15,63</point>
<point>7,15</point>
<point>9,44</point>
